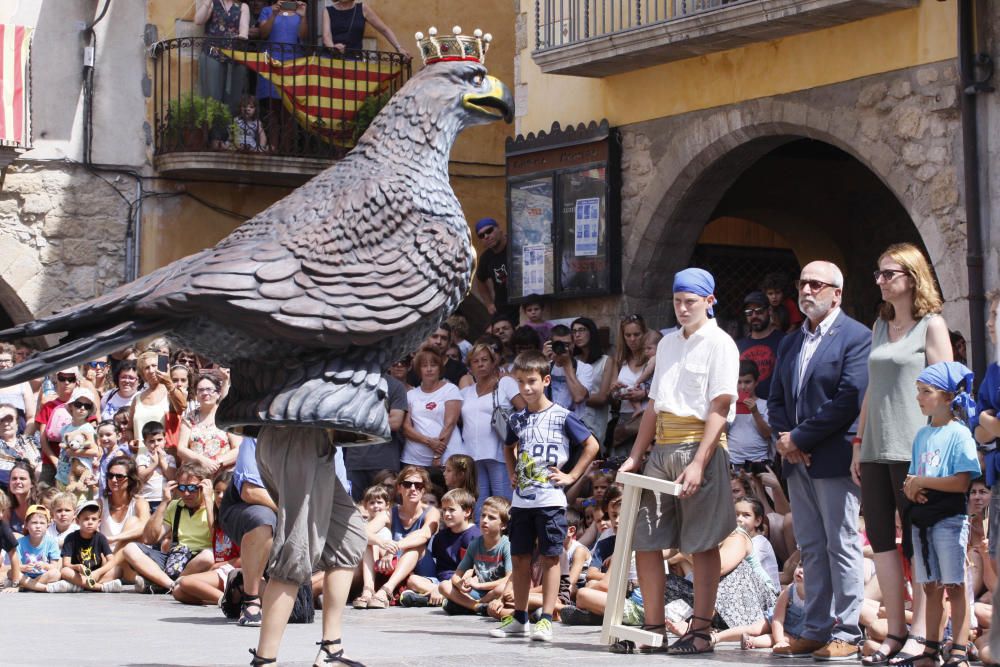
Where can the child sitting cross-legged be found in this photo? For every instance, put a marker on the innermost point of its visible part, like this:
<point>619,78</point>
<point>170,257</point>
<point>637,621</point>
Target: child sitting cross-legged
<point>448,547</point>
<point>63,511</point>
<point>486,566</point>
<point>86,556</point>
<point>37,552</point>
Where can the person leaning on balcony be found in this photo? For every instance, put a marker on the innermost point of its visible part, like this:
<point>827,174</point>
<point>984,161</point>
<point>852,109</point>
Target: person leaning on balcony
<point>344,27</point>
<point>220,77</point>
<point>285,30</point>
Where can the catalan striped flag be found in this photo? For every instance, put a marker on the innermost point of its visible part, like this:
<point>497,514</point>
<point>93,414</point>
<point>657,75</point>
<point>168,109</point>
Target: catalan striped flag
<point>325,94</point>
<point>15,40</point>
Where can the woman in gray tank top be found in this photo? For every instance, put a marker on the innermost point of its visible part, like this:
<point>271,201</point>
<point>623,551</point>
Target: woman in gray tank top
<point>908,335</point>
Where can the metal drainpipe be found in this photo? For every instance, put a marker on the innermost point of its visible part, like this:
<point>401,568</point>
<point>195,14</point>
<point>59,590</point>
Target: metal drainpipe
<point>970,88</point>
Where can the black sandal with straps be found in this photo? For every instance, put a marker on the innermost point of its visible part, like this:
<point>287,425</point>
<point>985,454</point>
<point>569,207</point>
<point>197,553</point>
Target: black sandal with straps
<point>627,646</point>
<point>260,660</point>
<point>336,656</point>
<point>932,650</point>
<point>880,658</point>
<point>247,618</point>
<point>955,660</point>
<point>685,645</point>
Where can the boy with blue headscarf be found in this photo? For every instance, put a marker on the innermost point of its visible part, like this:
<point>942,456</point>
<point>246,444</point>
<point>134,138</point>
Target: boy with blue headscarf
<point>942,468</point>
<point>692,394</point>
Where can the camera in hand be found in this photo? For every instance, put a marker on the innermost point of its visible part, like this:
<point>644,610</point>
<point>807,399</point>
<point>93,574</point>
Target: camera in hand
<point>289,5</point>
<point>754,467</point>
<point>560,347</point>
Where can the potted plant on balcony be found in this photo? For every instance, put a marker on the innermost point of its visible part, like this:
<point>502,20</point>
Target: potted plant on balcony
<point>193,121</point>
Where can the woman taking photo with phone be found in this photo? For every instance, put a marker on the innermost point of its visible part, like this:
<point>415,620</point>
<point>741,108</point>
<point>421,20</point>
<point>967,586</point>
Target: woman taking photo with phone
<point>153,402</point>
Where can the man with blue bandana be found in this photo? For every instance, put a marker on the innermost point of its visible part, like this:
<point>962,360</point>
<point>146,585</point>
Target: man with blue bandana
<point>692,394</point>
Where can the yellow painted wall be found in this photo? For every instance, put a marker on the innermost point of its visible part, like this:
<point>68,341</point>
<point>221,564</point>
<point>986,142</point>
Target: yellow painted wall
<point>893,41</point>
<point>178,226</point>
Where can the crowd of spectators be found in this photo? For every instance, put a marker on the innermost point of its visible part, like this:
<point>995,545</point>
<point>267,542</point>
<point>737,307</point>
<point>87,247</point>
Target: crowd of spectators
<point>115,474</point>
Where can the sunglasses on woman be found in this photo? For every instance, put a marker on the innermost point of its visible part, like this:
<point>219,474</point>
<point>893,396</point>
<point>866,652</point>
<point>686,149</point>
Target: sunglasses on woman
<point>407,484</point>
<point>97,364</point>
<point>117,476</point>
<point>65,378</point>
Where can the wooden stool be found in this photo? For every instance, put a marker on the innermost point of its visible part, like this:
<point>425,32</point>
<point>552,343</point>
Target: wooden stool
<point>612,628</point>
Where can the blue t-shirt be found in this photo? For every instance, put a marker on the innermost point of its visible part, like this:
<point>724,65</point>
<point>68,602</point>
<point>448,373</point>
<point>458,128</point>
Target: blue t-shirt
<point>33,559</point>
<point>544,439</point>
<point>489,564</point>
<point>245,468</point>
<point>943,451</point>
<point>988,398</point>
<point>603,550</point>
<point>449,548</point>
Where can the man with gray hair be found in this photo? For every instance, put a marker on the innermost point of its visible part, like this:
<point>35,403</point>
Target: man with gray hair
<point>816,391</point>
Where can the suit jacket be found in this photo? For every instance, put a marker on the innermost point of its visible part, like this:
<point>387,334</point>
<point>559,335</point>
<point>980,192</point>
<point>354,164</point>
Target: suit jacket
<point>822,416</point>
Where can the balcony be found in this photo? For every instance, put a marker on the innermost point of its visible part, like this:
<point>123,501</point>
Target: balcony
<point>599,38</point>
<point>309,106</point>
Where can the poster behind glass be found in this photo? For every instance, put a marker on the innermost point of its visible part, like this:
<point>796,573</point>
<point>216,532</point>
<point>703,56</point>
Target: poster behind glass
<point>531,256</point>
<point>584,244</point>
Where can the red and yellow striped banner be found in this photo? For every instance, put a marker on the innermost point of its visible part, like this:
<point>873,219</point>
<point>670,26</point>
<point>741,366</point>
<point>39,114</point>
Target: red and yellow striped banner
<point>323,93</point>
<point>15,42</point>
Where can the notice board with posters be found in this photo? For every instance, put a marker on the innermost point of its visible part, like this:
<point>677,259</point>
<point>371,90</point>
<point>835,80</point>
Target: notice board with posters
<point>564,213</point>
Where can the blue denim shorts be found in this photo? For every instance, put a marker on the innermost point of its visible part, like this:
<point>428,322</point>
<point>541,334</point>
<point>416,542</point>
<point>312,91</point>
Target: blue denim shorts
<point>544,526</point>
<point>946,541</point>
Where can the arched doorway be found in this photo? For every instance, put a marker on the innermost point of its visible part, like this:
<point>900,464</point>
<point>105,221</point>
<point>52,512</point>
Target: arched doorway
<point>781,201</point>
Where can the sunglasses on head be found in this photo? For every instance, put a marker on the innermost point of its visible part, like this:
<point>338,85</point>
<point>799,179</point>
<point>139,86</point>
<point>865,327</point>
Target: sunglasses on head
<point>635,317</point>
<point>187,488</point>
<point>407,484</point>
<point>117,476</point>
<point>65,378</point>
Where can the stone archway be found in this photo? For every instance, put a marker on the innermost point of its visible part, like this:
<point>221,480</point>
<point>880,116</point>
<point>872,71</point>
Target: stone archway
<point>902,127</point>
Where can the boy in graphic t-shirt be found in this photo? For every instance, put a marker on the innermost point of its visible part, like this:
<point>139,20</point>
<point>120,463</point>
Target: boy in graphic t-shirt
<point>85,556</point>
<point>538,446</point>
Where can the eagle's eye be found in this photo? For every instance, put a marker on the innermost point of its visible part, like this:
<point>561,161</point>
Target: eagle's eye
<point>478,78</point>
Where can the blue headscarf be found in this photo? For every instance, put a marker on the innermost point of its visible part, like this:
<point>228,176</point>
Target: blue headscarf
<point>695,281</point>
<point>954,378</point>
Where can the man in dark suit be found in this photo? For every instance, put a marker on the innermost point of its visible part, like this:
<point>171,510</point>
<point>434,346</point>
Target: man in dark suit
<point>816,391</point>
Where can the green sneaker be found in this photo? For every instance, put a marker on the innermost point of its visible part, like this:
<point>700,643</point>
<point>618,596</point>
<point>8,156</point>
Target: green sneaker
<point>542,631</point>
<point>511,628</point>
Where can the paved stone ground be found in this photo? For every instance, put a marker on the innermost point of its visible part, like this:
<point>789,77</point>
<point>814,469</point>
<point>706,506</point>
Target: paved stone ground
<point>140,631</point>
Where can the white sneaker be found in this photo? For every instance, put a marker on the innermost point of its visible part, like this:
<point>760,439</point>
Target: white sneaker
<point>512,628</point>
<point>141,586</point>
<point>113,586</point>
<point>62,587</point>
<point>542,632</point>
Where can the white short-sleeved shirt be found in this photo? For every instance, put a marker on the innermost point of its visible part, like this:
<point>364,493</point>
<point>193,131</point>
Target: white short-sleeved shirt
<point>560,387</point>
<point>692,371</point>
<point>481,442</point>
<point>427,414</point>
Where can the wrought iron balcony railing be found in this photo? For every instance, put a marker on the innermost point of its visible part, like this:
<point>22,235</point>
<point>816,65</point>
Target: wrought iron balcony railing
<point>564,22</point>
<point>258,97</point>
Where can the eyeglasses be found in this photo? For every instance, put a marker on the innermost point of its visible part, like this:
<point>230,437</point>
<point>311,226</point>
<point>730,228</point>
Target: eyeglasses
<point>6,360</point>
<point>116,476</point>
<point>65,378</point>
<point>97,364</point>
<point>407,484</point>
<point>755,311</point>
<point>886,275</point>
<point>7,419</point>
<point>206,390</point>
<point>813,285</point>
<point>187,488</point>
<point>486,232</point>
<point>82,405</point>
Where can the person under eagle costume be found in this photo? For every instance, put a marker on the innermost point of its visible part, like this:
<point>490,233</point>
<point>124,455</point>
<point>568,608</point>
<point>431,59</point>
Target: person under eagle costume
<point>308,303</point>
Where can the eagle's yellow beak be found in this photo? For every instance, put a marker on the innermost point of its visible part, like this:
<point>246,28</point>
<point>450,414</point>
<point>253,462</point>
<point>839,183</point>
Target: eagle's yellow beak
<point>497,103</point>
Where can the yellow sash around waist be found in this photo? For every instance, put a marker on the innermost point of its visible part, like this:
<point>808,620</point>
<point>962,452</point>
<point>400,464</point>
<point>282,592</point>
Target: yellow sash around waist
<point>674,430</point>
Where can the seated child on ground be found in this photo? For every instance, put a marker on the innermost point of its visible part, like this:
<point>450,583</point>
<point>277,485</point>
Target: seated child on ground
<point>86,556</point>
<point>789,619</point>
<point>375,502</point>
<point>37,552</point>
<point>63,511</point>
<point>448,548</point>
<point>486,566</point>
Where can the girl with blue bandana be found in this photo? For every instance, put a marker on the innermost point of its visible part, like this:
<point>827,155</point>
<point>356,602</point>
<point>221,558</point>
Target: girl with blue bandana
<point>943,466</point>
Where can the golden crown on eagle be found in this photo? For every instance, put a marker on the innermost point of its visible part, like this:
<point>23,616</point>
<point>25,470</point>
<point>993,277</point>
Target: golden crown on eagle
<point>435,48</point>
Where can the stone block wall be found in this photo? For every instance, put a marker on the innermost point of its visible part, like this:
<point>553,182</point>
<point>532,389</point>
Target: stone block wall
<point>62,236</point>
